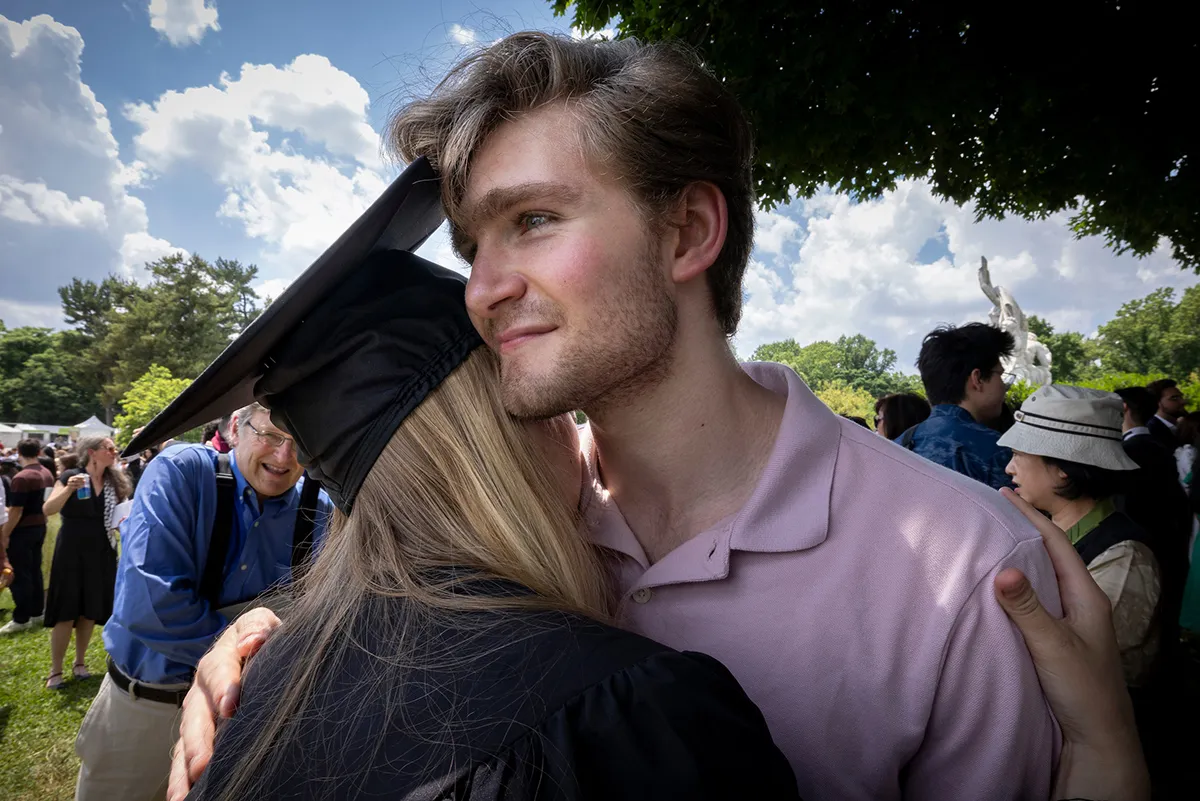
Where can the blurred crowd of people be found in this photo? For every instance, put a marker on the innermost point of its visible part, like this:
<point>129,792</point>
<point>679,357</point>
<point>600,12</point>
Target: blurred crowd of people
<point>86,482</point>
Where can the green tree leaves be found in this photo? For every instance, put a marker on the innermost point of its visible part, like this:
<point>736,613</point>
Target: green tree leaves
<point>18,345</point>
<point>859,94</point>
<point>1153,334</point>
<point>1074,357</point>
<point>845,399</point>
<point>853,361</point>
<point>179,322</point>
<point>146,397</point>
<point>38,381</point>
<point>48,390</point>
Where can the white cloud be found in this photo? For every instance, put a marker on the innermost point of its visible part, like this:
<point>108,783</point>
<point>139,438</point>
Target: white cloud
<point>139,248</point>
<point>772,230</point>
<point>309,96</point>
<point>183,22</point>
<point>64,190</point>
<point>35,203</point>
<point>841,267</point>
<point>238,131</point>
<point>273,288</point>
<point>42,315</point>
<point>460,35</point>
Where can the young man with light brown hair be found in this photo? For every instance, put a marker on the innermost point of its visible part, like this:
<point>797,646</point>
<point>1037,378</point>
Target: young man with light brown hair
<point>602,193</point>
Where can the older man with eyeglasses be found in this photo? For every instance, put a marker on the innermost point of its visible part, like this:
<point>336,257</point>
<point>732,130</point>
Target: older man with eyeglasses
<point>208,535</point>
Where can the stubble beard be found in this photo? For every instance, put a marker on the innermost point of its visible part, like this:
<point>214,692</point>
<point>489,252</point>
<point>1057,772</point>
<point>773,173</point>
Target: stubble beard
<point>627,348</point>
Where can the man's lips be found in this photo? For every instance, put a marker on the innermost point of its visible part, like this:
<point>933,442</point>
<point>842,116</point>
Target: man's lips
<point>519,335</point>
<point>275,471</point>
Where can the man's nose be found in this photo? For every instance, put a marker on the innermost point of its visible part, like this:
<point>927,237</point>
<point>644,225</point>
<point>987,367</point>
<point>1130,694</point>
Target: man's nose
<point>490,285</point>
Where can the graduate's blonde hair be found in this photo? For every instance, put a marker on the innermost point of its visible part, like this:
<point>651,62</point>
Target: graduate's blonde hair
<point>461,492</point>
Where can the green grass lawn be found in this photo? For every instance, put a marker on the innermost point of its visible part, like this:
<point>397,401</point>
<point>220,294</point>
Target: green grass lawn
<point>38,726</point>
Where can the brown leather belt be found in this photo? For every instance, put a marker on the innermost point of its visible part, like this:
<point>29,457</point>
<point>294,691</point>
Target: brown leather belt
<point>138,690</point>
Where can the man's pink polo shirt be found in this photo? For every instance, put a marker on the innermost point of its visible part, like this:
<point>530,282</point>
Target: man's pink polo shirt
<point>852,598</point>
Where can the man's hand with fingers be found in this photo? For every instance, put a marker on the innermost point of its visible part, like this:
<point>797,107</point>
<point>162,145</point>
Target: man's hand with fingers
<point>214,694</point>
<point>1079,667</point>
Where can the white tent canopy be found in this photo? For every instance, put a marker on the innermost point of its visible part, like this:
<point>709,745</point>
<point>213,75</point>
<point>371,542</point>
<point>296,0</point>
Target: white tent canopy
<point>94,427</point>
<point>10,436</point>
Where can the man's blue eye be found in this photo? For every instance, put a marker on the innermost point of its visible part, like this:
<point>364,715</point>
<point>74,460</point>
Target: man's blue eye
<point>534,220</point>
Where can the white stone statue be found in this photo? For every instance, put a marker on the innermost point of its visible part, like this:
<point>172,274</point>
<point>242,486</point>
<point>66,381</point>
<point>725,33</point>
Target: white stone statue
<point>1031,359</point>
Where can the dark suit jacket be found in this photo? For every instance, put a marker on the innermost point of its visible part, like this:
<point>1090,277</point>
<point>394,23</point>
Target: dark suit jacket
<point>1155,500</point>
<point>1162,434</point>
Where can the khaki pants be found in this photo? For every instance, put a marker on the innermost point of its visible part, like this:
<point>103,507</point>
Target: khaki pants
<point>125,746</point>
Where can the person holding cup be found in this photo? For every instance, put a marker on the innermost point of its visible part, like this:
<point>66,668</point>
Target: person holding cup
<point>84,570</point>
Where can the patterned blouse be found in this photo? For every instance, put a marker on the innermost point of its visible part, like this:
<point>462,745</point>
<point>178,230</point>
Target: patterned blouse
<point>1129,575</point>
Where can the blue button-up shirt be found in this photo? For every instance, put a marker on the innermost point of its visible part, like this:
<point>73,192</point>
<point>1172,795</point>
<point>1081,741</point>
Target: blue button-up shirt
<point>952,438</point>
<point>160,626</point>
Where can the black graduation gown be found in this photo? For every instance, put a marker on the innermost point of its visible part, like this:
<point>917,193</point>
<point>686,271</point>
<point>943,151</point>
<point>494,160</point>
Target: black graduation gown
<point>532,707</point>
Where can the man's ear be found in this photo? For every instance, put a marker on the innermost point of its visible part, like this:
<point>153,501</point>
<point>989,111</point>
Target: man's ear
<point>233,430</point>
<point>701,223</point>
<point>975,382</point>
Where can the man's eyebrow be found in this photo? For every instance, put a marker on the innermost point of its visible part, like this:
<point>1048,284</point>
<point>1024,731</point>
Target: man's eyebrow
<point>499,200</point>
<point>271,428</point>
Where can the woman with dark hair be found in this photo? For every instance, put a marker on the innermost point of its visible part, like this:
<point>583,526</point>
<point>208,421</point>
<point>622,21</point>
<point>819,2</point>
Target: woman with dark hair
<point>84,570</point>
<point>1069,463</point>
<point>898,412</point>
<point>49,463</point>
<point>66,461</point>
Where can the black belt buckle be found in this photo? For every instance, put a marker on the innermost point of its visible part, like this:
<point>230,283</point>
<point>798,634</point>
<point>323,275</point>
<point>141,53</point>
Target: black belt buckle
<point>137,690</point>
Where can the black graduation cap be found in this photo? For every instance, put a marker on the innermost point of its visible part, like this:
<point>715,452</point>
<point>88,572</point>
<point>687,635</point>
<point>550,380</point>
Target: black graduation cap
<point>349,349</point>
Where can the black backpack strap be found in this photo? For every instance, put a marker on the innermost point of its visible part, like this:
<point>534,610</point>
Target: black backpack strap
<point>306,520</point>
<point>906,439</point>
<point>218,544</point>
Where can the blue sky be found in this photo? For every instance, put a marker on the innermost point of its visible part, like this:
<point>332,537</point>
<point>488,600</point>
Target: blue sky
<point>249,130</point>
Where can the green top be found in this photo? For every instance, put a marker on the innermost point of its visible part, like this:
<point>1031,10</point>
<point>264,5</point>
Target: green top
<point>1099,513</point>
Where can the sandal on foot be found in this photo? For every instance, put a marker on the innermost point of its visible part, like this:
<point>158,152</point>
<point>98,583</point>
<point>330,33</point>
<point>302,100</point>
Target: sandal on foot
<point>51,684</point>
<point>76,671</point>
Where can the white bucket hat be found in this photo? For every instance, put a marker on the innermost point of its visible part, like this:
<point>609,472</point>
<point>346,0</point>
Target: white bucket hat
<point>1071,423</point>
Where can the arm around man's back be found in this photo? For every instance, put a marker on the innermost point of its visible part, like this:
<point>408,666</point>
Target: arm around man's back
<point>991,734</point>
<point>161,557</point>
<point>215,693</point>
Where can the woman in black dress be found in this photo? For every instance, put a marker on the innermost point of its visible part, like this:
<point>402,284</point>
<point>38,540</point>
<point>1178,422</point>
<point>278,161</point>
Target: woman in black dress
<point>84,570</point>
